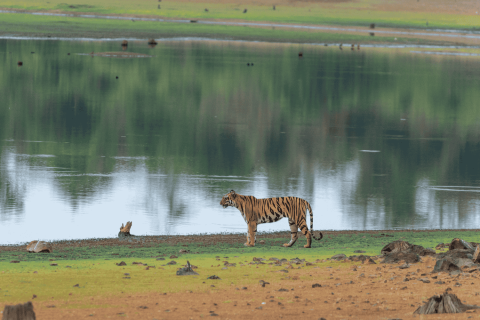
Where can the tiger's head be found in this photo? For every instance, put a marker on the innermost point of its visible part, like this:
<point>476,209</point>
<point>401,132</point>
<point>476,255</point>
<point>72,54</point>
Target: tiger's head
<point>228,200</point>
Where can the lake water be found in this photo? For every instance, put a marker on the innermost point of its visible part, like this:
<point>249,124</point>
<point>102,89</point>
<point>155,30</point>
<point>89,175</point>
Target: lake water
<point>373,139</point>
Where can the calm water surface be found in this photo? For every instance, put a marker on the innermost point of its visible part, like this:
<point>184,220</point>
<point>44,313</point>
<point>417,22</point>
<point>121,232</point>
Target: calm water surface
<point>373,139</point>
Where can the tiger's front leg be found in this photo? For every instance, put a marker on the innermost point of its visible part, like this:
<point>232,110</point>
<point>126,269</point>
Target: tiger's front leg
<point>251,235</point>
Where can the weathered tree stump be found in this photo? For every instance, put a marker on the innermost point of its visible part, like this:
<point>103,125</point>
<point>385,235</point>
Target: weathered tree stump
<point>124,43</point>
<point>460,244</point>
<point>125,230</point>
<point>19,312</point>
<point>407,256</point>
<point>446,265</point>
<point>39,246</point>
<point>476,255</point>
<point>444,303</point>
<point>396,246</point>
<point>421,251</point>
<point>187,271</point>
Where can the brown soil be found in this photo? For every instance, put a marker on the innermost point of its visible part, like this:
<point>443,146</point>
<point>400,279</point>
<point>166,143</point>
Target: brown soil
<point>376,291</point>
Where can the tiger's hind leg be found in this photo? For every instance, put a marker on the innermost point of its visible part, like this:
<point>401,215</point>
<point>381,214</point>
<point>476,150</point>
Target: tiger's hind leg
<point>294,233</point>
<point>306,233</point>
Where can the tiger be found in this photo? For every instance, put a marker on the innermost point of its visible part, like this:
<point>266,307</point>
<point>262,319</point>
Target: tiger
<point>256,211</point>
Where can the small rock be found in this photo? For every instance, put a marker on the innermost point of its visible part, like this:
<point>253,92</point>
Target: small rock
<point>214,277</point>
<point>173,256</point>
<point>121,264</point>
<point>316,285</point>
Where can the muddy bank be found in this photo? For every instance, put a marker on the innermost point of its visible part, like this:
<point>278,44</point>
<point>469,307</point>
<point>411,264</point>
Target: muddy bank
<point>233,238</point>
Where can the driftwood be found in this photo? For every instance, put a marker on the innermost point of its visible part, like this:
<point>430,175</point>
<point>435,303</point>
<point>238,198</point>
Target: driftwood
<point>39,246</point>
<point>19,312</point>
<point>444,303</point>
<point>125,230</point>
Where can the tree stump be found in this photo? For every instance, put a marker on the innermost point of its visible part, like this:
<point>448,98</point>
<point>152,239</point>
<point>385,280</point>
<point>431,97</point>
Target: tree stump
<point>19,312</point>
<point>460,244</point>
<point>444,303</point>
<point>125,230</point>
<point>39,246</point>
<point>396,246</point>
<point>187,271</point>
<point>476,255</point>
<point>124,43</point>
<point>446,265</point>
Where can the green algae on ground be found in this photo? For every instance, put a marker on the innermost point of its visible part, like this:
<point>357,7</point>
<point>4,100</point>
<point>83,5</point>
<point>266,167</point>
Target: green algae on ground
<point>96,272</point>
<point>361,12</point>
<point>70,27</point>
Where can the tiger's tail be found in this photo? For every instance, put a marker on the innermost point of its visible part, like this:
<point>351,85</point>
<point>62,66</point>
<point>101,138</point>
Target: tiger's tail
<point>311,222</point>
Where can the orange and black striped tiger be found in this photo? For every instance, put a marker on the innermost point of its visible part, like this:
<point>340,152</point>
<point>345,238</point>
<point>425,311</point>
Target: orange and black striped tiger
<point>256,211</point>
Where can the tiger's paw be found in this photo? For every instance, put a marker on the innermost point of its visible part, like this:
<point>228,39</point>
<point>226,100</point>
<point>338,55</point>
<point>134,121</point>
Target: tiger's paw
<point>286,245</point>
<point>307,246</point>
<point>248,245</point>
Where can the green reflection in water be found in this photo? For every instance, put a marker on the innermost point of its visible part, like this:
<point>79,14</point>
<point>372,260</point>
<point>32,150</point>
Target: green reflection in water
<point>196,108</point>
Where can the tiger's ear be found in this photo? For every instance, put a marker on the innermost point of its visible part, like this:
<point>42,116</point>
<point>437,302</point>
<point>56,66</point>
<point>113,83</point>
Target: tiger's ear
<point>232,192</point>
